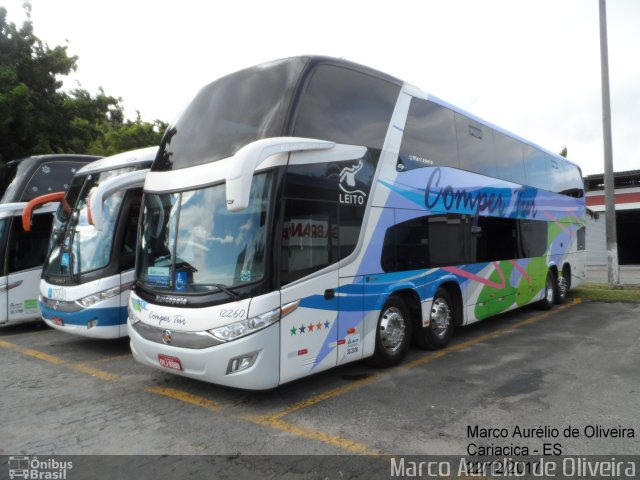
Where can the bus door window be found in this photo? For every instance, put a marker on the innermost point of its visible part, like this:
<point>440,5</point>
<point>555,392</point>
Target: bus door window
<point>309,238</point>
<point>27,250</point>
<point>129,238</point>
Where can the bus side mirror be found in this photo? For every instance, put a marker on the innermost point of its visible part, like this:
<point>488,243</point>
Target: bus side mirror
<point>30,206</point>
<point>249,157</point>
<point>121,182</point>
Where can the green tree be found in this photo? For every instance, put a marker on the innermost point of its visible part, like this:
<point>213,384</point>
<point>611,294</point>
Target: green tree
<point>564,151</point>
<point>37,117</point>
<point>29,88</point>
<point>120,137</point>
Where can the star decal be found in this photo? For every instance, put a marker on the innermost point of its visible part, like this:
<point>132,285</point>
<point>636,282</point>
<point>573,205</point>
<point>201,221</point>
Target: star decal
<point>293,330</point>
<point>326,324</point>
<point>302,329</point>
<point>310,327</point>
<point>319,326</point>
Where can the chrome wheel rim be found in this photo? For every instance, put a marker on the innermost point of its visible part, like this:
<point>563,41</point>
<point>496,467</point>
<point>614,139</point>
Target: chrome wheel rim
<point>549,292</point>
<point>440,317</point>
<point>392,329</point>
<point>562,286</point>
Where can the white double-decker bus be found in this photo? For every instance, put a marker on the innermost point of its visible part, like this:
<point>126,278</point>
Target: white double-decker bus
<point>311,212</point>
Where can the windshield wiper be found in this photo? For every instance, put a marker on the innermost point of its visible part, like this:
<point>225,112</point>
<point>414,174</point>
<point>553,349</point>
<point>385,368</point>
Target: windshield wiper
<point>223,288</point>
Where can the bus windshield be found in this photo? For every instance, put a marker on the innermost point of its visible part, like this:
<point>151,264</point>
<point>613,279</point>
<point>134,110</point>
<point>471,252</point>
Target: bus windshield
<point>190,242</point>
<point>76,246</point>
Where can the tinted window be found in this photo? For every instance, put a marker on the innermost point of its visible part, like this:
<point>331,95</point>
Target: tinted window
<point>581,238</point>
<point>537,168</point>
<point>28,249</point>
<point>128,248</point>
<point>309,238</point>
<point>323,199</point>
<point>495,239</point>
<point>49,178</point>
<point>230,113</point>
<point>533,238</point>
<point>569,180</point>
<point>345,106</point>
<point>423,242</point>
<point>508,158</point>
<point>475,146</point>
<point>429,137</point>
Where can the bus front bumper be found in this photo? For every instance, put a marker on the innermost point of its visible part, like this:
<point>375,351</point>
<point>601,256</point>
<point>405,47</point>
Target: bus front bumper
<point>215,364</point>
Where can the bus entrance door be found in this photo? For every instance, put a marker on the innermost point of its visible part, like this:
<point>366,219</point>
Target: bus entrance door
<point>309,333</point>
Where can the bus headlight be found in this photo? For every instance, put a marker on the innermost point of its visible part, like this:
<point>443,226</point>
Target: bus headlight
<point>94,298</point>
<point>245,327</point>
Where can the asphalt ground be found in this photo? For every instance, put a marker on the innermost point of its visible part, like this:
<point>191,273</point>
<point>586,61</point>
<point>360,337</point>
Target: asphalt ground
<point>575,366</point>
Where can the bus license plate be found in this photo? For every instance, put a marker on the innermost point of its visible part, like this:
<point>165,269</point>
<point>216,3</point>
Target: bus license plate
<point>169,362</point>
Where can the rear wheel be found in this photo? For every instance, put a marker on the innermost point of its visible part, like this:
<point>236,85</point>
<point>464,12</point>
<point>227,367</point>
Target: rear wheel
<point>440,329</point>
<point>549,292</point>
<point>393,334</point>
<point>562,285</point>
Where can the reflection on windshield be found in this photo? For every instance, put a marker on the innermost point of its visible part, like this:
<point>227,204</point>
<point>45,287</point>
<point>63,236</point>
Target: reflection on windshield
<point>192,243</point>
<point>76,246</point>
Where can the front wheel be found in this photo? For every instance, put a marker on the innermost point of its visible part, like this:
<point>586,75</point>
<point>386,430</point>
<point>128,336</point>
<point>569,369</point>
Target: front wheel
<point>440,329</point>
<point>393,334</point>
<point>549,292</point>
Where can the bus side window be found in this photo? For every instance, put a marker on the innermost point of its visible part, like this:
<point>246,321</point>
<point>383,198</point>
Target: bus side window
<point>429,137</point>
<point>475,146</point>
<point>581,237</point>
<point>50,177</point>
<point>495,239</point>
<point>28,249</point>
<point>533,238</point>
<point>424,242</point>
<point>309,238</point>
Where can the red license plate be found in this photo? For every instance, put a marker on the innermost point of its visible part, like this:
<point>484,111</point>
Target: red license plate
<point>169,362</point>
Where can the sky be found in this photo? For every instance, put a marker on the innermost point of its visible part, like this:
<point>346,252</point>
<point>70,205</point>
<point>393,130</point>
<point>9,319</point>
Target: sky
<point>529,66</point>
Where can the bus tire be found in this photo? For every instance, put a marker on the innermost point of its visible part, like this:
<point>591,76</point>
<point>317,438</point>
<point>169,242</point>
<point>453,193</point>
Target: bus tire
<point>562,285</point>
<point>393,334</point>
<point>440,329</point>
<point>549,292</point>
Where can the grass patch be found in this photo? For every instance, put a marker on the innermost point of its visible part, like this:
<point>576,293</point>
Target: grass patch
<point>601,292</point>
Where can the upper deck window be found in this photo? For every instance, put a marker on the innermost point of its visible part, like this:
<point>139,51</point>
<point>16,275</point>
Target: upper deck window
<point>346,106</point>
<point>230,113</point>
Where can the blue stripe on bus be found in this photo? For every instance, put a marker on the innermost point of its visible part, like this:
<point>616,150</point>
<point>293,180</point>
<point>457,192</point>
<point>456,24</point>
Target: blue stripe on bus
<point>107,317</point>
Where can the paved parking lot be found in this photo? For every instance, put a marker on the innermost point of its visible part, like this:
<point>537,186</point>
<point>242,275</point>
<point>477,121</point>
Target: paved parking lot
<point>577,365</point>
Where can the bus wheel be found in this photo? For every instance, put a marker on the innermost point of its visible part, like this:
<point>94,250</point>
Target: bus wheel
<point>562,285</point>
<point>549,292</point>
<point>440,329</point>
<point>393,335</point>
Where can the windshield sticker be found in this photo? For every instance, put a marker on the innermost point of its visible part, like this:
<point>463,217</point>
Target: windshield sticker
<point>180,281</point>
<point>245,275</point>
<point>158,275</point>
<point>64,260</point>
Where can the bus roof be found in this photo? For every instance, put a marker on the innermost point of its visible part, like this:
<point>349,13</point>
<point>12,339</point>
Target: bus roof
<point>133,157</point>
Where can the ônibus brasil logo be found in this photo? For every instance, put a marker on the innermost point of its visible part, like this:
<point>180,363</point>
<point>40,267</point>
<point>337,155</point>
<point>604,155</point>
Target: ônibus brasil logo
<point>33,468</point>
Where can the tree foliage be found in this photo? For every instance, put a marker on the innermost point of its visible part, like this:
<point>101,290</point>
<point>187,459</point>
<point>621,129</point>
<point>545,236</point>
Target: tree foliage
<point>37,117</point>
<point>564,151</point>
